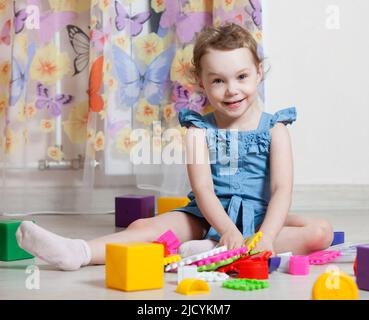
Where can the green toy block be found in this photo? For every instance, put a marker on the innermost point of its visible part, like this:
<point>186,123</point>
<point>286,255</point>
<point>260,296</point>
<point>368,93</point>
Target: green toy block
<point>245,284</point>
<point>9,249</point>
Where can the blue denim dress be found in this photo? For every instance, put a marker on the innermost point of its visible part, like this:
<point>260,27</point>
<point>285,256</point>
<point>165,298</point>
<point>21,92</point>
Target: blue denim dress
<point>240,170</point>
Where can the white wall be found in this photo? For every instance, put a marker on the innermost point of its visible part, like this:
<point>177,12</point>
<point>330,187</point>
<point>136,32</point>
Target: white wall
<point>324,73</point>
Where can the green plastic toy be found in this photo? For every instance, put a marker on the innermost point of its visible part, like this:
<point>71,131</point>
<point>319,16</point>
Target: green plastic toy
<point>9,249</point>
<point>245,284</point>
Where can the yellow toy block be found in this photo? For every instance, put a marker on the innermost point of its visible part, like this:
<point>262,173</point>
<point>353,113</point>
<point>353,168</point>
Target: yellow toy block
<point>172,258</point>
<point>335,285</point>
<point>192,286</point>
<point>132,266</point>
<point>166,204</point>
<point>251,242</point>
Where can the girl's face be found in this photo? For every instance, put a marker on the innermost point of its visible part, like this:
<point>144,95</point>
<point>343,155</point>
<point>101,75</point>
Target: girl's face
<point>230,79</point>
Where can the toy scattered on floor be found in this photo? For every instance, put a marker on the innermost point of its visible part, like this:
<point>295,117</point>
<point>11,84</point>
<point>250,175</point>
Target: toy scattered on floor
<point>299,265</point>
<point>338,238</point>
<point>133,207</point>
<point>251,242</point>
<point>221,256</point>
<point>172,258</point>
<point>245,284</point>
<point>191,272</point>
<point>190,259</point>
<point>362,267</point>
<point>273,263</point>
<point>335,285</point>
<point>250,267</point>
<point>9,249</point>
<point>323,257</point>
<point>347,250</point>
<point>132,266</point>
<point>191,286</point>
<point>170,241</point>
<point>284,266</point>
<point>215,265</point>
<point>167,204</point>
<point>186,272</point>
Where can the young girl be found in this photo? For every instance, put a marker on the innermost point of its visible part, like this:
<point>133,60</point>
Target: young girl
<point>229,200</point>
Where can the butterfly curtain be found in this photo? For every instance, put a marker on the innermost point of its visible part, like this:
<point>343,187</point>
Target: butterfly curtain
<point>96,86</point>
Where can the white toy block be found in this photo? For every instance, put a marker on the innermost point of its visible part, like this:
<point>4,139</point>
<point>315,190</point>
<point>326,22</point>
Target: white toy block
<point>212,276</point>
<point>284,266</point>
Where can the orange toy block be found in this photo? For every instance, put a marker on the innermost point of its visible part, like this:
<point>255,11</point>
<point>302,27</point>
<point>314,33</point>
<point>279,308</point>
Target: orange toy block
<point>133,266</point>
<point>166,204</point>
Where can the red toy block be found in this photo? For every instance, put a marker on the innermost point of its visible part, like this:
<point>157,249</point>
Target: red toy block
<point>253,270</point>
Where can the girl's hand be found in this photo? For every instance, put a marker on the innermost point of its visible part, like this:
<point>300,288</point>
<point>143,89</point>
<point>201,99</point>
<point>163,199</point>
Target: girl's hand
<point>265,244</point>
<point>232,239</point>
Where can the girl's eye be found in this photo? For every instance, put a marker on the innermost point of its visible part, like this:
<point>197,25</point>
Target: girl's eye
<point>243,76</point>
<point>217,81</point>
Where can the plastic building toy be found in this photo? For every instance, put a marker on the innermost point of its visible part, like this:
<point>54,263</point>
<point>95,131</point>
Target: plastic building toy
<point>323,257</point>
<point>251,242</point>
<point>166,204</point>
<point>338,238</point>
<point>185,272</point>
<point>171,241</point>
<point>172,258</point>
<point>362,267</point>
<point>299,265</point>
<point>245,284</point>
<point>9,249</point>
<point>190,259</point>
<point>335,285</point>
<point>221,256</point>
<point>192,286</point>
<point>284,266</point>
<point>253,269</point>
<point>134,266</point>
<point>212,276</point>
<point>273,263</point>
<point>132,207</point>
<point>348,251</point>
<point>216,265</point>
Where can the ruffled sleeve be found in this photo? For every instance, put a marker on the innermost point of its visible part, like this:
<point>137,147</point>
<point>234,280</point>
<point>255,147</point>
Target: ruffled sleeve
<point>285,116</point>
<point>189,118</point>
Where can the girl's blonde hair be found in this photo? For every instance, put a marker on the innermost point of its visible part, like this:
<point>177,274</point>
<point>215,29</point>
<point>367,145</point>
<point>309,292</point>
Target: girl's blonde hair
<point>226,37</point>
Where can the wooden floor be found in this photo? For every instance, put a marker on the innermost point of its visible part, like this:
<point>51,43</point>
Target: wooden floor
<point>89,282</point>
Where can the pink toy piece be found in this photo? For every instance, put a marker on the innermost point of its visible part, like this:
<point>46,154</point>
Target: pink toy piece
<point>221,256</point>
<point>299,265</point>
<point>322,257</point>
<point>171,241</point>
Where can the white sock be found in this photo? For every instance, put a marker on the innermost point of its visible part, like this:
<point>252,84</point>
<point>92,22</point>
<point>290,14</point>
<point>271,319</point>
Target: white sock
<point>192,247</point>
<point>64,253</point>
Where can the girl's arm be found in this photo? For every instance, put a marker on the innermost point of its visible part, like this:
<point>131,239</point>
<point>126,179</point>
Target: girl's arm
<point>281,182</point>
<point>199,173</point>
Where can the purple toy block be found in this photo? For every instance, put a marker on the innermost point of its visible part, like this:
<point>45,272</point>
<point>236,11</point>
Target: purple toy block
<point>132,207</point>
<point>362,271</point>
<point>273,263</point>
<point>339,237</point>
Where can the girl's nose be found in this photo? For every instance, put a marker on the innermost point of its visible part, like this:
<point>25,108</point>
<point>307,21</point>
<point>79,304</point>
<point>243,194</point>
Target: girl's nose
<point>231,89</point>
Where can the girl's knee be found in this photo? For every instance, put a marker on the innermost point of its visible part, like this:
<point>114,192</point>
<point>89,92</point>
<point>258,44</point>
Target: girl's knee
<point>321,235</point>
<point>139,224</point>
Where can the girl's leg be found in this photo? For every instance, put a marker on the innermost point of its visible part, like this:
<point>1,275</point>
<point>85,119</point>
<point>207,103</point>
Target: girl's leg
<point>71,254</point>
<point>185,227</point>
<point>302,235</point>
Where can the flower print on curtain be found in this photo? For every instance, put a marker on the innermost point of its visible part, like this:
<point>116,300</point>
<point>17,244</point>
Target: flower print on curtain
<point>43,91</point>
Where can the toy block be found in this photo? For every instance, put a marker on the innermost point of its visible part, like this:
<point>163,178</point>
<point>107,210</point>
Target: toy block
<point>193,286</point>
<point>216,265</point>
<point>273,263</point>
<point>167,204</point>
<point>171,241</point>
<point>253,269</point>
<point>245,284</point>
<point>251,242</point>
<point>9,249</point>
<point>299,265</point>
<point>323,257</point>
<point>221,256</point>
<point>362,267</point>
<point>134,266</point>
<point>196,257</point>
<point>284,266</point>
<point>186,272</point>
<point>335,285</point>
<point>338,238</point>
<point>212,276</point>
<point>133,207</point>
<point>172,258</point>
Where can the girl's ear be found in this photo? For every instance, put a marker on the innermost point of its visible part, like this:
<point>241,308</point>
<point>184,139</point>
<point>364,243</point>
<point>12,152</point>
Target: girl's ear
<point>260,73</point>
